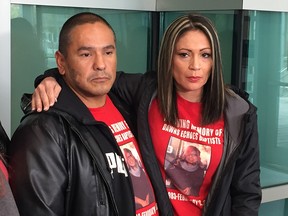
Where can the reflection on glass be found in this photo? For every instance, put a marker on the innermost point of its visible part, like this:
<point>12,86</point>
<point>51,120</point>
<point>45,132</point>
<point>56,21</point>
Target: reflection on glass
<point>276,208</point>
<point>267,84</point>
<point>27,60</point>
<point>34,36</point>
<point>283,105</point>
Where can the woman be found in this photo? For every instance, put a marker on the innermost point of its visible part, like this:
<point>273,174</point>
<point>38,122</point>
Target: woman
<point>191,106</point>
<point>7,203</point>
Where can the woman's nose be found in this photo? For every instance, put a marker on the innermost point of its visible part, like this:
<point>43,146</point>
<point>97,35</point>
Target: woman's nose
<point>195,63</point>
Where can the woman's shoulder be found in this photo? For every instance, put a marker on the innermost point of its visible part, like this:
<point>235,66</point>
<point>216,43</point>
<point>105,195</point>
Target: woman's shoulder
<point>236,100</point>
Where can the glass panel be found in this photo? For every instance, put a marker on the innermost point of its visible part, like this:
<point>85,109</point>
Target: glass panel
<point>224,23</point>
<point>34,39</point>
<point>276,208</point>
<point>267,84</point>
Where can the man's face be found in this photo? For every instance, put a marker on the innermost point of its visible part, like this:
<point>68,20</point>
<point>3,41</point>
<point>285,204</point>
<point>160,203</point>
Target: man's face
<point>90,65</point>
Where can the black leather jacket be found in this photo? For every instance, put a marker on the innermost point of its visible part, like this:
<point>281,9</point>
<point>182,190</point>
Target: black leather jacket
<point>236,189</point>
<point>75,173</point>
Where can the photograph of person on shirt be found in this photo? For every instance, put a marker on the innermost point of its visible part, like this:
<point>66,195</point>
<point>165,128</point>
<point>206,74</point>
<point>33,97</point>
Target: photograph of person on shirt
<point>184,167</point>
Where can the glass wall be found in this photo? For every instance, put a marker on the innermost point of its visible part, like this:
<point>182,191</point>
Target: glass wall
<point>276,208</point>
<point>34,40</point>
<point>267,83</point>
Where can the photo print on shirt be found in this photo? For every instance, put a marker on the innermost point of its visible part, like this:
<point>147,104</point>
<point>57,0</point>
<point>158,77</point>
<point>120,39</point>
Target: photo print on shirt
<point>186,164</point>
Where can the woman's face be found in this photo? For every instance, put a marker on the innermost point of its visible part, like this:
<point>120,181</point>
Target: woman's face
<point>130,159</point>
<point>192,156</point>
<point>192,64</point>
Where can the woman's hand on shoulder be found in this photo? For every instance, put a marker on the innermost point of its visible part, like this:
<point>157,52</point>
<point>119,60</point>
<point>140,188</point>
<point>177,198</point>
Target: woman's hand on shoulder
<point>45,95</point>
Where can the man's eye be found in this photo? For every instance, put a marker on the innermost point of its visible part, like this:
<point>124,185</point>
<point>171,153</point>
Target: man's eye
<point>109,52</point>
<point>85,54</point>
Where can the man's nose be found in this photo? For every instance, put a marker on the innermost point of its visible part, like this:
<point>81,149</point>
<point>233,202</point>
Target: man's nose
<point>99,62</point>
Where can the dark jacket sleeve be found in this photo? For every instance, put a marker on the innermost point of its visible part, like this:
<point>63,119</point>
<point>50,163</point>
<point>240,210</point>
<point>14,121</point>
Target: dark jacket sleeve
<point>131,87</point>
<point>246,188</point>
<point>38,172</point>
<point>53,72</point>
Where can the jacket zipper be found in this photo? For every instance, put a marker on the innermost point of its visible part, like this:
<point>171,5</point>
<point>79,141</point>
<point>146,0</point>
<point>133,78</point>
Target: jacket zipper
<point>99,169</point>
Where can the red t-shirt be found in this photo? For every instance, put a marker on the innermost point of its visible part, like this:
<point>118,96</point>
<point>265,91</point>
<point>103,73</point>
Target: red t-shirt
<point>189,155</point>
<point>143,192</point>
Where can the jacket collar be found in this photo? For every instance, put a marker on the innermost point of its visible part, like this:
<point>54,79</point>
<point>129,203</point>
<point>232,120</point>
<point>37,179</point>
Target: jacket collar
<point>70,103</point>
<point>236,109</point>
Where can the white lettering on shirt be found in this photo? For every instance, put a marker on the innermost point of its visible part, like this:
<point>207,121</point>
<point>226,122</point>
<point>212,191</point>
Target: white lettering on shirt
<point>117,163</point>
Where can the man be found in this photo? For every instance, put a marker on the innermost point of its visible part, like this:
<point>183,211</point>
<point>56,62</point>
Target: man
<point>68,160</point>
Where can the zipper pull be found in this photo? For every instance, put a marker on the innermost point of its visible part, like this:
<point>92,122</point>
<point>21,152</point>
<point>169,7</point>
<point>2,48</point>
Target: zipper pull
<point>111,173</point>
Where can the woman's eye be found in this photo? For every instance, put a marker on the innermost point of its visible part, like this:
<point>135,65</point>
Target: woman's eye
<point>183,54</point>
<point>206,55</point>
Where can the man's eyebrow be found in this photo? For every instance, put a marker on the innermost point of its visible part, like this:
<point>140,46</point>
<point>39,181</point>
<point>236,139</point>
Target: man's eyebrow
<point>109,47</point>
<point>85,48</point>
<point>93,48</point>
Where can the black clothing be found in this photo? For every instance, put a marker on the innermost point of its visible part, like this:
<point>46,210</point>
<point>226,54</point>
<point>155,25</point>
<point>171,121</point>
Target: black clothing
<point>130,111</point>
<point>142,187</point>
<point>57,166</point>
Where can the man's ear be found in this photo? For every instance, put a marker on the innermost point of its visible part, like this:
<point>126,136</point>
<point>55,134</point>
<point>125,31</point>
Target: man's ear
<point>60,61</point>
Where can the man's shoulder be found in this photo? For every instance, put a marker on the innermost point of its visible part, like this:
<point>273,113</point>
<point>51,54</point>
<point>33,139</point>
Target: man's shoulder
<point>45,120</point>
